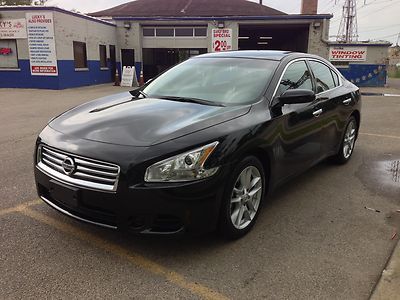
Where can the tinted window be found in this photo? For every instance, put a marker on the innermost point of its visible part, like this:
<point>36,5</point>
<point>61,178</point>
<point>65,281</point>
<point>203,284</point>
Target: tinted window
<point>230,81</point>
<point>297,76</point>
<point>323,76</point>
<point>80,56</point>
<point>103,56</point>
<point>165,32</point>
<point>148,32</point>
<point>200,31</point>
<point>335,78</point>
<point>183,31</point>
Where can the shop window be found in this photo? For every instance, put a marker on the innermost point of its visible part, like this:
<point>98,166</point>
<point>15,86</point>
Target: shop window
<point>165,32</point>
<point>80,56</point>
<point>103,56</point>
<point>148,32</point>
<point>183,31</point>
<point>200,31</point>
<point>8,54</point>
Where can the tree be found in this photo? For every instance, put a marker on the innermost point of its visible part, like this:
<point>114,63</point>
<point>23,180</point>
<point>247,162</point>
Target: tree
<point>22,2</point>
<point>15,2</point>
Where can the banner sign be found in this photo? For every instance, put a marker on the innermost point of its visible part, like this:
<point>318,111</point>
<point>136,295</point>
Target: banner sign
<point>41,43</point>
<point>221,40</point>
<point>128,77</point>
<point>348,53</point>
<point>13,29</point>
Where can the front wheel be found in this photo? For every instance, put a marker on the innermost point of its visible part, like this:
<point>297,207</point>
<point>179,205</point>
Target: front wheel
<point>348,142</point>
<point>243,198</point>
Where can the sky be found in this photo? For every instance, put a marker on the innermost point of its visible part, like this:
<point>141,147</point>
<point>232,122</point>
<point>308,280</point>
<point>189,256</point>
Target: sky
<point>377,19</point>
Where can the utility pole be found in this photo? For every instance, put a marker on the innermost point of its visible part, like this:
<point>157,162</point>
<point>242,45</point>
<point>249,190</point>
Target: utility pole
<point>348,29</point>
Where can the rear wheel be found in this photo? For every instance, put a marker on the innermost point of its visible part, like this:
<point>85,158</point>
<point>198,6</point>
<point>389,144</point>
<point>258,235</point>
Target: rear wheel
<point>243,198</point>
<point>348,142</point>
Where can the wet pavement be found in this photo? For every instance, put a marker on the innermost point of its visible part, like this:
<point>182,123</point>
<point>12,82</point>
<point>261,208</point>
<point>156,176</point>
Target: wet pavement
<point>314,238</point>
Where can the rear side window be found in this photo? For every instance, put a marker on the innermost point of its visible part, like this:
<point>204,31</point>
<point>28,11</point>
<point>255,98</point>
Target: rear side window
<point>323,76</point>
<point>297,76</point>
<point>335,78</point>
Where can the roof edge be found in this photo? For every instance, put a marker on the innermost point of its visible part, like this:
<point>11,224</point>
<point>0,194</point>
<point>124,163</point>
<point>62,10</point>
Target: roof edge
<point>56,9</point>
<point>227,18</point>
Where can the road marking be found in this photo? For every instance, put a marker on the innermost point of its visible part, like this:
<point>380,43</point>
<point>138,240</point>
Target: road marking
<point>381,135</point>
<point>20,207</point>
<point>134,258</point>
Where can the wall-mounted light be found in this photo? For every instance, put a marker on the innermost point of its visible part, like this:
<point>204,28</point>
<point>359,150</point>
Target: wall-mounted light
<point>221,24</point>
<point>244,37</point>
<point>317,25</point>
<point>127,25</point>
<point>265,37</point>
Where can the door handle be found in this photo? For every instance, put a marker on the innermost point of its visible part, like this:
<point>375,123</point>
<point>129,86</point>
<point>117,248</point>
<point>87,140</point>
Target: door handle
<point>347,101</point>
<point>317,113</point>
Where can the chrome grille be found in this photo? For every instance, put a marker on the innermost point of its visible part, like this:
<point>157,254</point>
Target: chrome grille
<point>77,170</point>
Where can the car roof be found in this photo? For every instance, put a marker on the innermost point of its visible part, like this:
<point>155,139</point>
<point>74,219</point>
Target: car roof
<point>256,54</point>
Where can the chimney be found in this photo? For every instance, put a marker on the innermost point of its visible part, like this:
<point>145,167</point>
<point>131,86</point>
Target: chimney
<point>309,7</point>
<point>261,2</point>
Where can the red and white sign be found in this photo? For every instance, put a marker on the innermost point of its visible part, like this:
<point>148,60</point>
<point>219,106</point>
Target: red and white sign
<point>221,40</point>
<point>348,53</point>
<point>41,43</point>
<point>13,29</point>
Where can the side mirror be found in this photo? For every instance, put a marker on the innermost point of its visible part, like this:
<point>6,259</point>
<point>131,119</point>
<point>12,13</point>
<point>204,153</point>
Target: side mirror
<point>297,96</point>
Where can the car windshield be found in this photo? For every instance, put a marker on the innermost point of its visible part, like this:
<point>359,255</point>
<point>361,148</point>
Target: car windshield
<point>224,81</point>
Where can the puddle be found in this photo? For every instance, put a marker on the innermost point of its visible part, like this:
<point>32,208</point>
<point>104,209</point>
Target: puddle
<point>382,177</point>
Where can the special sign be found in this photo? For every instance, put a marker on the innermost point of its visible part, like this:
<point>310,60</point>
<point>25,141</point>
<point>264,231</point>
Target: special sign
<point>13,29</point>
<point>42,47</point>
<point>348,54</point>
<point>221,40</point>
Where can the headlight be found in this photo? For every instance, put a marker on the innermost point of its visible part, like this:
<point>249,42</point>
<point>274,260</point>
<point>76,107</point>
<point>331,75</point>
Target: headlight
<point>188,166</point>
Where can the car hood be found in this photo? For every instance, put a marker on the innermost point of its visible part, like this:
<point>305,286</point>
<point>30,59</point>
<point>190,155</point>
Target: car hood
<point>121,119</point>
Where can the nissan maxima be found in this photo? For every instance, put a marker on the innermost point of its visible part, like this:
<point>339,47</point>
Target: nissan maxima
<point>201,146</point>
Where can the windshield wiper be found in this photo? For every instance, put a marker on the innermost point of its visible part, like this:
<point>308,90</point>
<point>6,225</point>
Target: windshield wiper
<point>137,92</point>
<point>191,100</point>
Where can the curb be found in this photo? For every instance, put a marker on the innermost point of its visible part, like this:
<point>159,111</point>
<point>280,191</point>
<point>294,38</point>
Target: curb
<point>388,286</point>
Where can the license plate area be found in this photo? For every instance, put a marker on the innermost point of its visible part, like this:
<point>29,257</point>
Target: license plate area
<point>66,195</point>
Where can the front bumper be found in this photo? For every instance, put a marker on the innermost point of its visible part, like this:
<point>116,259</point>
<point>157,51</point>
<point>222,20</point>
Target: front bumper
<point>152,209</point>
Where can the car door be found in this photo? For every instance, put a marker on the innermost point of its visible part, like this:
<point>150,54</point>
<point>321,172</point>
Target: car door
<point>331,99</point>
<point>299,143</point>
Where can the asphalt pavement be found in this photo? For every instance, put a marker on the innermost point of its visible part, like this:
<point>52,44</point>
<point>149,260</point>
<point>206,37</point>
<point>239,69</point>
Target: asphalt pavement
<point>314,239</point>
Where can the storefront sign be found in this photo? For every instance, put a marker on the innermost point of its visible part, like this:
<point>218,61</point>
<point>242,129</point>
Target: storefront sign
<point>13,29</point>
<point>41,43</point>
<point>221,40</point>
<point>348,54</point>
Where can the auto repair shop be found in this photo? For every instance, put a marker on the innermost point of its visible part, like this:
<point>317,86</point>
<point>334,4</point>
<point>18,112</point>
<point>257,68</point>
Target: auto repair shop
<point>152,35</point>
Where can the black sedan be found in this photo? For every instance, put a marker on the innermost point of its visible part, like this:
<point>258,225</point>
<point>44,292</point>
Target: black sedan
<point>199,147</point>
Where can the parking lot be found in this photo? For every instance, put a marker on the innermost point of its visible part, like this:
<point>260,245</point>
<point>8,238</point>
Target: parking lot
<point>314,238</point>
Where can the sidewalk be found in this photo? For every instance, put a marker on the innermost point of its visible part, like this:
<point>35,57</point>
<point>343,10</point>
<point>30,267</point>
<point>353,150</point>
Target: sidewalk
<point>388,286</point>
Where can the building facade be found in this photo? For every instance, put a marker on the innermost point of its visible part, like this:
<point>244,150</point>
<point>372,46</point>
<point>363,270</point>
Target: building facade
<point>153,35</point>
<point>55,49</point>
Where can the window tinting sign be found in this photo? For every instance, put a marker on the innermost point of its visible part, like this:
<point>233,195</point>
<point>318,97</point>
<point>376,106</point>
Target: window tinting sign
<point>41,43</point>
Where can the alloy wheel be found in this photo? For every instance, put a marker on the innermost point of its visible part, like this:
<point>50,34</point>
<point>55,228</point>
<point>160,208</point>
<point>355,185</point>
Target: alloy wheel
<point>246,197</point>
<point>349,140</point>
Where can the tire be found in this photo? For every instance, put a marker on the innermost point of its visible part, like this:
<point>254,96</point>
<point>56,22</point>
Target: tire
<point>242,198</point>
<point>348,142</point>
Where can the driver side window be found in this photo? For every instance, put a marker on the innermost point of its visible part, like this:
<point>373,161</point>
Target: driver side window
<point>297,76</point>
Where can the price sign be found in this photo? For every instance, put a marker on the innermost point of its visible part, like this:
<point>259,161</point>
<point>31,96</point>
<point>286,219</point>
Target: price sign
<point>221,40</point>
